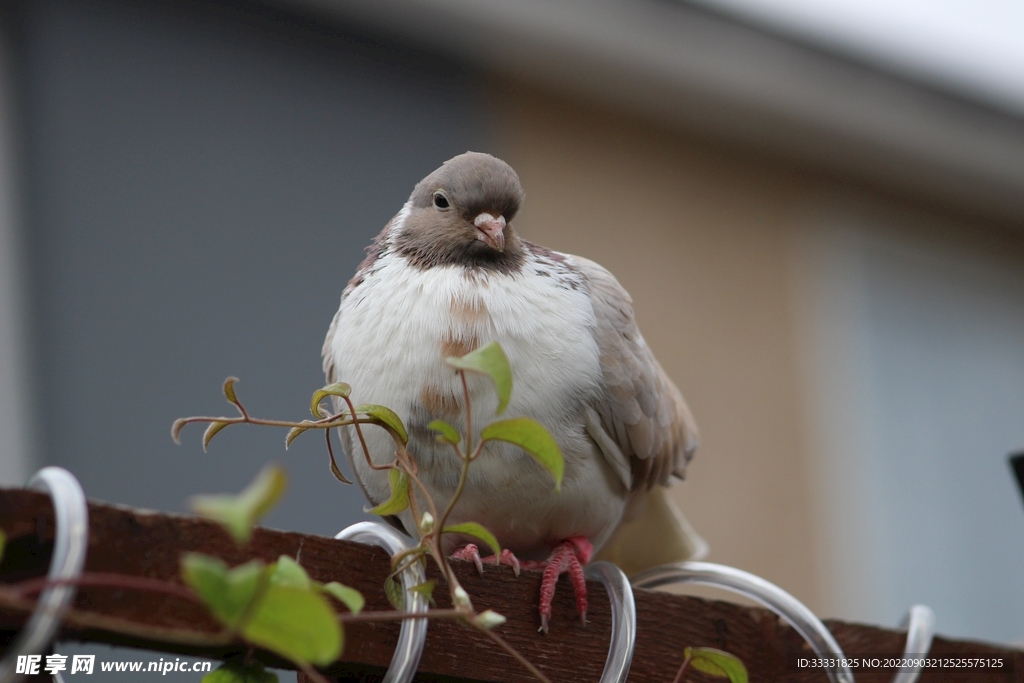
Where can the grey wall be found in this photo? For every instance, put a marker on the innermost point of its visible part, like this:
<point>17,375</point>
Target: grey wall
<point>947,338</point>
<point>918,390</point>
<point>202,184</point>
<point>16,457</point>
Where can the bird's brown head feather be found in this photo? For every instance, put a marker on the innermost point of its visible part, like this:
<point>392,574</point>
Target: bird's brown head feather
<point>461,214</point>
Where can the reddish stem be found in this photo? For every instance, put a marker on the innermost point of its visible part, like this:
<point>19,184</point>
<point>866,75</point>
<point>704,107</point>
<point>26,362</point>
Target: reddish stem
<point>362,440</point>
<point>109,580</point>
<point>469,413</point>
<point>515,653</point>
<point>682,670</point>
<point>312,673</point>
<point>399,616</point>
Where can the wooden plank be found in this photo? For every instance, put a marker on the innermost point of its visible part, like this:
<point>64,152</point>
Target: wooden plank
<point>149,544</point>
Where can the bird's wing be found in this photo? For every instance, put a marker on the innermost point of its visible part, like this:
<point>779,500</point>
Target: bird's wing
<point>640,422</point>
<point>330,368</point>
<point>374,252</point>
<point>644,429</point>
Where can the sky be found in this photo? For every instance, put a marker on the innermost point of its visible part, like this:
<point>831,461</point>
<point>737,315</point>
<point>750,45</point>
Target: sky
<point>974,47</point>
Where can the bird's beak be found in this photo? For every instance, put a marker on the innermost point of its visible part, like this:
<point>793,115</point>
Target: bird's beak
<point>491,230</point>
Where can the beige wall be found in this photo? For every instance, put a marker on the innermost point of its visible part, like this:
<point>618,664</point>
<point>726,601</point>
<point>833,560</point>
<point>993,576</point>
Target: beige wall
<point>709,240</point>
<point>699,238</point>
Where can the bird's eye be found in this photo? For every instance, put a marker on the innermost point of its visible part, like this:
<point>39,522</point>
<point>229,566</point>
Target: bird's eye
<point>441,201</point>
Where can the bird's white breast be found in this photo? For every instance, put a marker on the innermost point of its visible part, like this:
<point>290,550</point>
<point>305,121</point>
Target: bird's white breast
<point>393,333</point>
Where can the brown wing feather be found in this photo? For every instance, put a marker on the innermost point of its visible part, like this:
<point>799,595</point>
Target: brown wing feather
<point>641,410</point>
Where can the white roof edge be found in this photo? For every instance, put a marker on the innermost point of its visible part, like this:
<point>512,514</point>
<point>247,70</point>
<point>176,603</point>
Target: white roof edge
<point>710,73</point>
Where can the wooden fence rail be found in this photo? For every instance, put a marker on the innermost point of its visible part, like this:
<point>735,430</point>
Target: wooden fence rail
<point>149,544</point>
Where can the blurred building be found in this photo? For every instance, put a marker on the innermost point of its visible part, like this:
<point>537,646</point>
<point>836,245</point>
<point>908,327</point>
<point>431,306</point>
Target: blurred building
<point>826,257</point>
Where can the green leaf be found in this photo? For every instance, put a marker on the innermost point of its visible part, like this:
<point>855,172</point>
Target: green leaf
<point>229,390</point>
<point>336,389</point>
<point>296,623</point>
<point>288,572</point>
<point>399,499</point>
<point>335,470</point>
<point>717,663</point>
<point>477,531</point>
<point>287,618</point>
<point>294,432</point>
<point>176,428</point>
<point>489,360</point>
<point>395,594</point>
<point>240,512</point>
<point>386,416</point>
<point>533,438</point>
<point>239,672</point>
<point>226,592</point>
<point>448,433</point>
<point>347,596</point>
<point>426,589</point>
<point>211,432</point>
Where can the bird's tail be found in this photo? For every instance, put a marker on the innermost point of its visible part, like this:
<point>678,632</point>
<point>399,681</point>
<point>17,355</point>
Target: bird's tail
<point>659,534</point>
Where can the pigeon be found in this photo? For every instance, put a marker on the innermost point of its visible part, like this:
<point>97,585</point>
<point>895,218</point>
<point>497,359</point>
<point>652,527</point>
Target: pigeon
<point>449,274</point>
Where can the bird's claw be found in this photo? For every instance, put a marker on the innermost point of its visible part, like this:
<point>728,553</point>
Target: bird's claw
<point>568,557</point>
<point>507,558</point>
<point>471,553</point>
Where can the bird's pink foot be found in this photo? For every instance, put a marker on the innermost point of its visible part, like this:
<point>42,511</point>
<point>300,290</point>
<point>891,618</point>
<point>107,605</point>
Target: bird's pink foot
<point>568,557</point>
<point>471,553</point>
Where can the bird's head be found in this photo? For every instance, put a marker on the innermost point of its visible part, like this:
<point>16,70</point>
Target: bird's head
<point>461,214</point>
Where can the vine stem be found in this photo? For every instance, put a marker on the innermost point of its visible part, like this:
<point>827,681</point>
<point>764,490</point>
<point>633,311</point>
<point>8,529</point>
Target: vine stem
<point>349,618</point>
<point>469,412</point>
<point>315,675</point>
<point>430,541</point>
<point>463,476</point>
<point>11,599</point>
<point>359,432</point>
<point>241,408</point>
<point>466,457</point>
<point>326,423</point>
<point>111,580</point>
<point>426,494</point>
<point>515,653</point>
<point>251,420</point>
<point>682,670</point>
